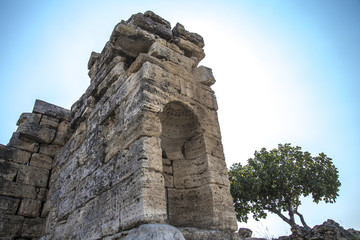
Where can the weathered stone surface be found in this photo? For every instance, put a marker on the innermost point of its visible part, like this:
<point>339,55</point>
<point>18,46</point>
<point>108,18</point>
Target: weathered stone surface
<point>244,233</point>
<point>179,31</point>
<point>51,110</point>
<point>113,75</point>
<point>23,143</point>
<point>29,208</point>
<point>32,228</point>
<point>93,57</point>
<point>29,118</point>
<point>33,176</point>
<point>152,23</point>
<point>162,52</point>
<point>8,170</point>
<point>36,132</point>
<point>156,18</point>
<point>17,190</point>
<point>6,153</point>
<point>21,156</point>
<point>130,39</point>
<point>328,230</point>
<point>200,234</point>
<point>9,205</point>
<point>50,150</point>
<point>204,75</point>
<point>10,225</point>
<point>190,49</point>
<point>49,122</point>
<point>41,161</point>
<point>155,231</point>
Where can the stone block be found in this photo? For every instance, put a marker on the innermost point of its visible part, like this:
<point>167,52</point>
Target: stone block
<point>41,161</point>
<point>29,208</point>
<point>9,205</point>
<point>153,23</point>
<point>50,150</point>
<point>93,57</point>
<point>32,227</point>
<point>203,93</point>
<point>49,122</point>
<point>130,39</point>
<point>244,233</point>
<point>224,210</point>
<point>147,152</point>
<point>153,196</point>
<point>113,75</point>
<point>143,124</point>
<point>63,126</point>
<point>190,173</point>
<point>109,56</point>
<point>190,49</point>
<point>29,118</point>
<point>162,52</point>
<point>179,31</point>
<point>214,146</point>
<point>33,176</point>
<point>8,170</point>
<point>6,153</point>
<point>204,75</point>
<point>195,148</point>
<point>17,190</point>
<point>90,227</point>
<point>109,207</point>
<point>10,226</point>
<point>36,132</point>
<point>156,18</point>
<point>144,66</point>
<point>63,133</point>
<point>23,143</point>
<point>140,60</point>
<point>51,110</point>
<point>209,121</point>
<point>21,156</point>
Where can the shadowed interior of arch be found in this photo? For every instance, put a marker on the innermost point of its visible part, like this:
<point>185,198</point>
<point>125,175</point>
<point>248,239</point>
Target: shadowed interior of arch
<point>184,165</point>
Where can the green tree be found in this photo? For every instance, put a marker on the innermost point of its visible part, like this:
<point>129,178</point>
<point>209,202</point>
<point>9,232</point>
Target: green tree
<point>275,180</point>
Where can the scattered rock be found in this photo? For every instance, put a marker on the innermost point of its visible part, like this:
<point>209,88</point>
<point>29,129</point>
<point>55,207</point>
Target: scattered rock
<point>329,230</point>
<point>244,233</point>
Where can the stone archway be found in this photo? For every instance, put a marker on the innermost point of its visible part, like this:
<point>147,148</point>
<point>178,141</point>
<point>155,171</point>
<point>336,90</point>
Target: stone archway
<point>184,166</point>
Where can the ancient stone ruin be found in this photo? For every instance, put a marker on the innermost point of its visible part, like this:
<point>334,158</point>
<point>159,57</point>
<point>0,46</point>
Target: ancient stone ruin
<point>138,156</point>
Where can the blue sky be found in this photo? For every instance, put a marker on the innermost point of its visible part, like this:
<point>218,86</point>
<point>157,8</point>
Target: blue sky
<point>287,71</point>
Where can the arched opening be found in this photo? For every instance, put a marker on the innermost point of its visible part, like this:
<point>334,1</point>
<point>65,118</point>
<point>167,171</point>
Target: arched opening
<point>184,165</point>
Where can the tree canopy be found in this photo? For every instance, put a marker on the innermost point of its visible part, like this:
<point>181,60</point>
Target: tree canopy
<point>275,180</point>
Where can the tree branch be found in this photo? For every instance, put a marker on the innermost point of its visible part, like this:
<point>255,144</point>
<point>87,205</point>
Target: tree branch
<point>302,220</point>
<point>277,212</point>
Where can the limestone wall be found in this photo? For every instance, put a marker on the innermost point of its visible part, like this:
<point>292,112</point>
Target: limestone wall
<point>141,145</point>
<point>25,166</point>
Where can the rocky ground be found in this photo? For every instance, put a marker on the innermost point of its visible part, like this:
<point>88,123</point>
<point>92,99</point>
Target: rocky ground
<point>329,230</point>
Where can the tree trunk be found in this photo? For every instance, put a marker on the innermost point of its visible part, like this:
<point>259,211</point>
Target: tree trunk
<point>291,214</point>
<point>303,221</point>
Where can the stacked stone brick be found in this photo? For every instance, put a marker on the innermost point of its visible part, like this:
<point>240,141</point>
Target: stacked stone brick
<point>142,146</point>
<point>25,166</point>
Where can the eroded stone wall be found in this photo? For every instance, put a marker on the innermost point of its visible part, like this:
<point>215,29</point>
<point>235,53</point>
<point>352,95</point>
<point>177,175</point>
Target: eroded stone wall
<point>142,144</point>
<point>25,166</point>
